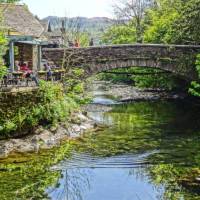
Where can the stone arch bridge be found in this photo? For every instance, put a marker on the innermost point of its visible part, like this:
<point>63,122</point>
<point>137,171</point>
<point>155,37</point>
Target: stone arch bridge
<point>178,59</point>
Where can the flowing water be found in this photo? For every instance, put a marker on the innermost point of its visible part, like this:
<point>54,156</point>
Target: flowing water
<point>146,151</point>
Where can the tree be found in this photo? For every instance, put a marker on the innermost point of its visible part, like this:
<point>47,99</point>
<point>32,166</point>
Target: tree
<point>175,22</point>
<point>120,34</point>
<point>188,25</point>
<point>134,11</point>
<point>195,85</point>
<point>160,21</point>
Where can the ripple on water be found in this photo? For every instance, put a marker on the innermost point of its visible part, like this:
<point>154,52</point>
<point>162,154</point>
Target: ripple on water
<point>121,177</point>
<point>83,160</point>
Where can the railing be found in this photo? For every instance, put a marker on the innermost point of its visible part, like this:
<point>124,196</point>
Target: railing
<point>18,79</point>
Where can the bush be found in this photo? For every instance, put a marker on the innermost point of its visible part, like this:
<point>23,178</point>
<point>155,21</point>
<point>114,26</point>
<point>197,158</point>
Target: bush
<point>3,71</point>
<point>146,78</point>
<point>53,106</point>
<point>195,85</point>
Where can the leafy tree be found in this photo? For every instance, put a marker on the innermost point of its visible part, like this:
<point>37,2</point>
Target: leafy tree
<point>120,34</point>
<point>188,25</point>
<point>195,86</point>
<point>134,11</point>
<point>160,21</point>
<point>175,21</point>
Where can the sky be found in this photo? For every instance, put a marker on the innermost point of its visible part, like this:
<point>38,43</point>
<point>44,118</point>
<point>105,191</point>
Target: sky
<point>70,8</point>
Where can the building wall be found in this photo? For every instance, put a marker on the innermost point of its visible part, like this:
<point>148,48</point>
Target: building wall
<point>25,54</point>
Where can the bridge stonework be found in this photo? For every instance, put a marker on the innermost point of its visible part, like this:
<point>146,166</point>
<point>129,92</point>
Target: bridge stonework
<point>178,59</point>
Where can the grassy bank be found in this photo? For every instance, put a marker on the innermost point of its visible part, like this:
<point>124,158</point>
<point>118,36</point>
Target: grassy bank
<point>46,106</point>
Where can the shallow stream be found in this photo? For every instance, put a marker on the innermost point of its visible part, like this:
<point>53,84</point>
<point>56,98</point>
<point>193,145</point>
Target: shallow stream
<point>147,151</point>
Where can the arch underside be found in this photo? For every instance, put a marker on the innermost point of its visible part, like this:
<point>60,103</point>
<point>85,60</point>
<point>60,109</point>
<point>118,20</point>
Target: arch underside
<point>95,68</point>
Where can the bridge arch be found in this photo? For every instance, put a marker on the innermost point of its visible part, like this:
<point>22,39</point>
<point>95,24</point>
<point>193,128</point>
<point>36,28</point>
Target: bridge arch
<point>178,59</point>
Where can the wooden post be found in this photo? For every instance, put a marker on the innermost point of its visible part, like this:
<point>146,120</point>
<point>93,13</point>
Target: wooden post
<point>39,57</point>
<point>12,56</point>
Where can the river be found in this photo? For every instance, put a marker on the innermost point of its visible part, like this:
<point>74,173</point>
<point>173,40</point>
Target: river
<point>146,151</point>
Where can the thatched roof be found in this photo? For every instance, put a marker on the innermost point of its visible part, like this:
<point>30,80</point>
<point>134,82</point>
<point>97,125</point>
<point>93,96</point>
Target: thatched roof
<point>20,19</point>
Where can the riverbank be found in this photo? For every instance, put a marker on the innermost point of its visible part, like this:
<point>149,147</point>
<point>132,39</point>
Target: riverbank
<point>128,93</point>
<point>46,138</point>
<point>155,142</point>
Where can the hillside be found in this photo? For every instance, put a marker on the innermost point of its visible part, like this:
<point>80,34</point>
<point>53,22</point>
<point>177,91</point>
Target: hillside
<point>94,26</point>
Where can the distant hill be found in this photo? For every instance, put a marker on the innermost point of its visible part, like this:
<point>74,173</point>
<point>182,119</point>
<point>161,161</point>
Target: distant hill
<point>94,26</point>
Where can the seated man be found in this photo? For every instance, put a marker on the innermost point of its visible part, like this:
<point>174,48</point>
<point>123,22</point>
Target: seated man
<point>34,77</point>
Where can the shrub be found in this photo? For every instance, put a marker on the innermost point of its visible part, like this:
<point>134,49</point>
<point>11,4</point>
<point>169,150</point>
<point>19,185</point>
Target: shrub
<point>53,106</point>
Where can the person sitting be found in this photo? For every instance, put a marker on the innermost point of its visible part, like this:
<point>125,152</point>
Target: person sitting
<point>24,67</point>
<point>49,71</point>
<point>34,77</point>
<point>45,67</point>
<point>70,43</point>
<point>91,42</point>
<point>76,44</point>
<point>26,72</point>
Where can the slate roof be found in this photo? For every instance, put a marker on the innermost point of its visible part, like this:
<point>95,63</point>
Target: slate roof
<point>20,19</point>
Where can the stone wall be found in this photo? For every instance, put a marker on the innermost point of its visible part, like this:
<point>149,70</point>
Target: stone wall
<point>12,102</point>
<point>179,59</point>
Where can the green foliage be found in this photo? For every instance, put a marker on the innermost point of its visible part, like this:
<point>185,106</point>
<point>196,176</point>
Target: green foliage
<point>160,22</point>
<point>173,22</point>
<point>74,85</point>
<point>115,78</point>
<point>158,28</point>
<point>3,72</point>
<point>195,85</point>
<point>3,42</point>
<point>121,34</point>
<point>188,25</point>
<point>84,39</point>
<point>151,129</point>
<point>163,81</point>
<point>53,107</point>
<point>31,174</point>
<point>176,21</point>
<point>146,78</point>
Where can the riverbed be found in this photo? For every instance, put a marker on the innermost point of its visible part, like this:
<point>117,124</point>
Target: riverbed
<point>146,150</point>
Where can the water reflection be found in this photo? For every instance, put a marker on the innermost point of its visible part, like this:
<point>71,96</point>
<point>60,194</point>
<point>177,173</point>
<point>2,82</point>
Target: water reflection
<point>150,151</point>
<point>94,178</point>
<point>72,185</point>
<point>146,146</point>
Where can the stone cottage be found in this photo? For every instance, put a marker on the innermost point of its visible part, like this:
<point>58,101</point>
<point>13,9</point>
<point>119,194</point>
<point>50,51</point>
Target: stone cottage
<point>25,35</point>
